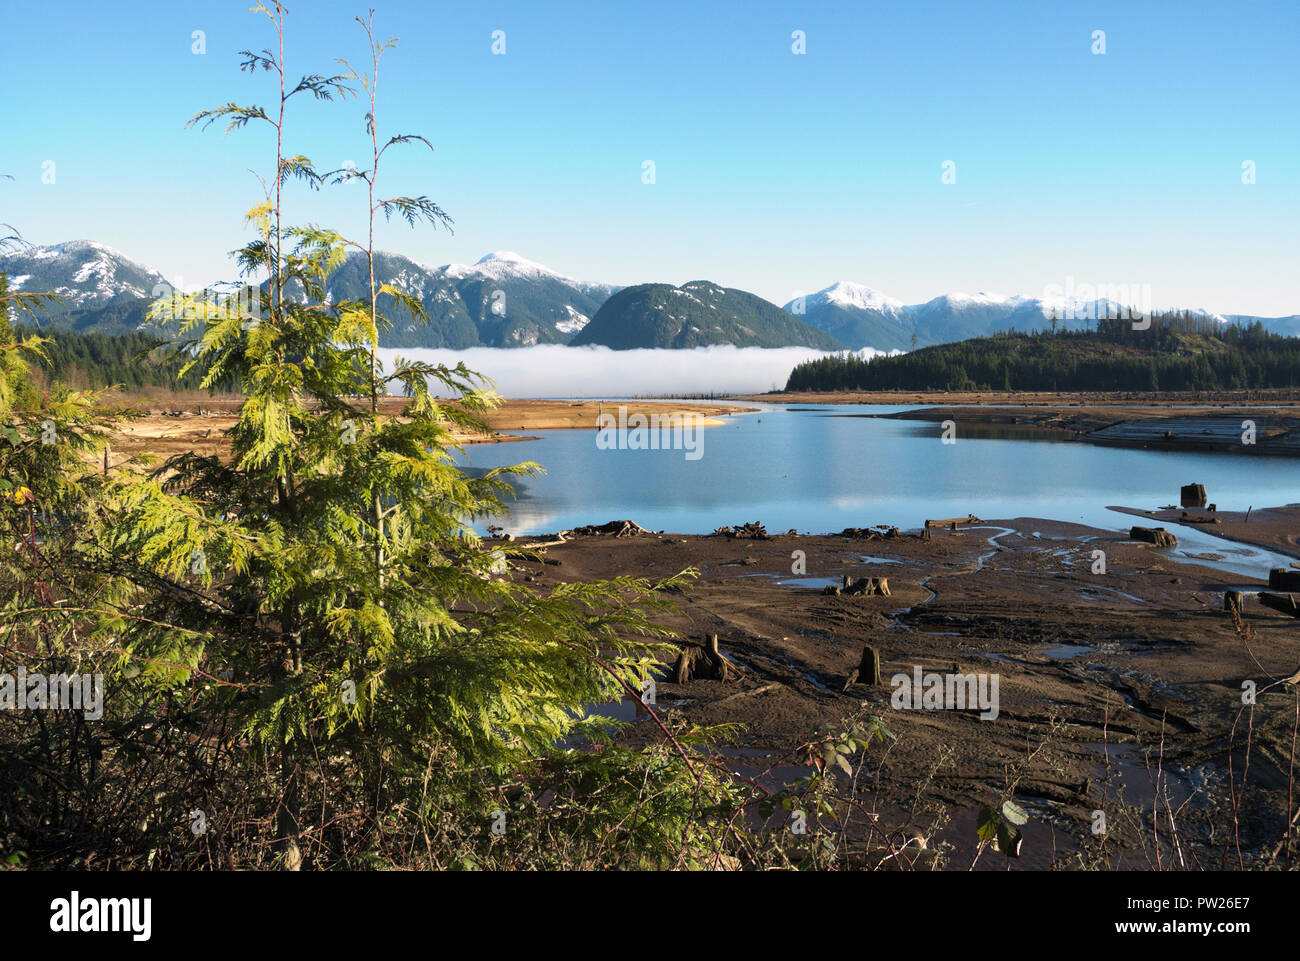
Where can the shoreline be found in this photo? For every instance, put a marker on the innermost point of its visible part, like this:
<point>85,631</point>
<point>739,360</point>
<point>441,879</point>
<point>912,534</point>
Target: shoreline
<point>176,423</point>
<point>1229,398</point>
<point>1273,432</point>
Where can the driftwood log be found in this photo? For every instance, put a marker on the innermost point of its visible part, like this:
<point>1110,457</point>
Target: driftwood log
<point>617,528</point>
<point>698,662</point>
<point>952,523</point>
<point>1153,535</point>
<point>752,531</point>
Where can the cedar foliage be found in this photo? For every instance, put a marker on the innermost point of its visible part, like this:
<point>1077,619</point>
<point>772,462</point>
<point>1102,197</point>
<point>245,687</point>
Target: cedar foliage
<point>308,650</point>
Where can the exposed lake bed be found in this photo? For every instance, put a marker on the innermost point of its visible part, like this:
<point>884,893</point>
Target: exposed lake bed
<point>1141,658</point>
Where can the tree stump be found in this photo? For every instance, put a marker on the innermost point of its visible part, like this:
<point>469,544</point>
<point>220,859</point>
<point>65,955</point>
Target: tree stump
<point>1153,535</point>
<point>869,668</point>
<point>1232,601</point>
<point>1193,495</point>
<point>701,663</point>
<point>871,586</point>
<point>867,671</point>
<point>1281,579</point>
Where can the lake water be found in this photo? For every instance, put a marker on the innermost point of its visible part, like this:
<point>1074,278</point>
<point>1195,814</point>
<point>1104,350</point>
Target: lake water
<point>822,468</point>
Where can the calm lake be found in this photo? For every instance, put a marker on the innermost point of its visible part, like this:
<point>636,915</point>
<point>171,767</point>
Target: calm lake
<point>822,468</point>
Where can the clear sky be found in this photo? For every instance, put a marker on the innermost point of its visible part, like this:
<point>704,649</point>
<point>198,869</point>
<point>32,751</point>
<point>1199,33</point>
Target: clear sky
<point>775,172</point>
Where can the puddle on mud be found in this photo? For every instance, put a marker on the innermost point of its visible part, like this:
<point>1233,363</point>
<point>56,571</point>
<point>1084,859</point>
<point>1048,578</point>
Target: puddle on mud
<point>816,583</point>
<point>1133,771</point>
<point>1059,652</point>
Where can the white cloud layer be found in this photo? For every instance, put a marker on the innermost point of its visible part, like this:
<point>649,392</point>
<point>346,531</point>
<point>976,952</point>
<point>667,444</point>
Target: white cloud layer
<point>551,370</point>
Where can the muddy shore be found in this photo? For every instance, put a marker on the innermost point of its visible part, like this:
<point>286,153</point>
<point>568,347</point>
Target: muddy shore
<point>176,423</point>
<point>1244,430</point>
<point>1118,691</point>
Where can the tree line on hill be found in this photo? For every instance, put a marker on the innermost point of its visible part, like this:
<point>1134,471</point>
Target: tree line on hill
<point>1177,351</point>
<point>132,361</point>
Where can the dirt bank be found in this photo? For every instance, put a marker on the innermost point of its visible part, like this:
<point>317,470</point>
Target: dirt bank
<point>1245,430</point>
<point>174,423</point>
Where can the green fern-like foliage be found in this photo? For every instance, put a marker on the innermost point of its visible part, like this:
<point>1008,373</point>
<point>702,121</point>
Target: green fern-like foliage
<point>326,578</point>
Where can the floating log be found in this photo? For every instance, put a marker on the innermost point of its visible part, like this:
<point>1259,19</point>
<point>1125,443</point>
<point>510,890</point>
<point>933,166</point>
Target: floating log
<point>1286,603</point>
<point>1193,495</point>
<point>1232,601</point>
<point>700,663</point>
<point>1153,535</point>
<point>1281,579</point>
<point>952,523</point>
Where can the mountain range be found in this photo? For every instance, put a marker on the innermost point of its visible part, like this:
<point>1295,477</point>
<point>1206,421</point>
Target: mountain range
<point>504,300</point>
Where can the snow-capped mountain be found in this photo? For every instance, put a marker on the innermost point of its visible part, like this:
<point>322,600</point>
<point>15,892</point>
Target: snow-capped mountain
<point>856,315</point>
<point>503,300</point>
<point>505,266</point>
<point>86,274</point>
<point>861,316</point>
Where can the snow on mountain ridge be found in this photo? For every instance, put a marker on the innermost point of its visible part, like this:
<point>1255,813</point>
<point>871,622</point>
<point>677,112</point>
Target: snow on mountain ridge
<point>846,293</point>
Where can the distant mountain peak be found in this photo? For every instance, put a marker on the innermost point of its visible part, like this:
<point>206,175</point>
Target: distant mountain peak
<point>84,272</point>
<point>847,293</point>
<point>504,263</point>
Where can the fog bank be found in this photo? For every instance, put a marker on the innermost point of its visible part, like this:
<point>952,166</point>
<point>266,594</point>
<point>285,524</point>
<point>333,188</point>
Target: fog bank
<point>552,370</point>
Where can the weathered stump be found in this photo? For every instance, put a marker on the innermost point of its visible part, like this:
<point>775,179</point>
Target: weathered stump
<point>1193,495</point>
<point>869,668</point>
<point>871,586</point>
<point>867,671</point>
<point>701,663</point>
<point>1153,535</point>
<point>1281,579</point>
<point>952,522</point>
<point>1233,601</point>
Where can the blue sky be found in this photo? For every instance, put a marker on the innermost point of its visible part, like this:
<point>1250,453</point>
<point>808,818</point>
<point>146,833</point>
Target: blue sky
<point>774,172</point>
